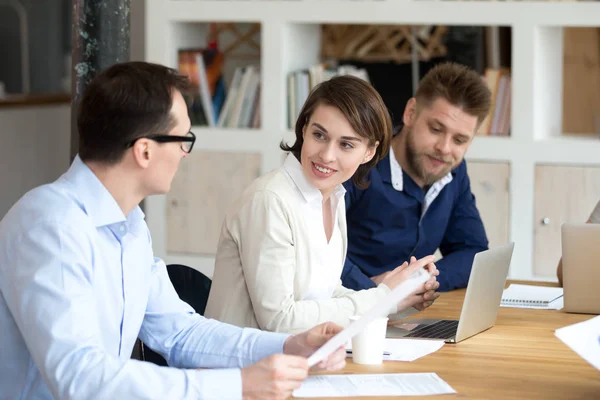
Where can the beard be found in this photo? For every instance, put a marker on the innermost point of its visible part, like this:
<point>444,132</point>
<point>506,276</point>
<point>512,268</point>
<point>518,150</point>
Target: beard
<point>416,162</point>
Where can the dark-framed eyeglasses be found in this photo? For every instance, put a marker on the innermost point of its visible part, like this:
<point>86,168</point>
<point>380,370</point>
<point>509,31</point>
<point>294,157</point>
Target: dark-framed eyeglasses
<point>187,141</point>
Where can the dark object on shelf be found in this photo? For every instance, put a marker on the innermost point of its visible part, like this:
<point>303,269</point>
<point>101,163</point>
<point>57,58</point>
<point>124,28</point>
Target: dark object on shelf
<point>466,46</point>
<point>393,82</point>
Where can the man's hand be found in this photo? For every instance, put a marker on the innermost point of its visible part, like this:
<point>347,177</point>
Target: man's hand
<point>277,376</point>
<point>306,343</point>
<point>425,295</point>
<point>430,294</point>
<point>274,377</point>
<point>380,278</point>
<point>398,275</point>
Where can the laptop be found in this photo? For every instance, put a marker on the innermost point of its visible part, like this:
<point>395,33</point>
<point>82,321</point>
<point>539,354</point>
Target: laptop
<point>581,267</point>
<point>480,306</point>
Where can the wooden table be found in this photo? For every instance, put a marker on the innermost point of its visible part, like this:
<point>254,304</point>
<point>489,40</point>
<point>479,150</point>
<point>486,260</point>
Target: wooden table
<point>518,358</point>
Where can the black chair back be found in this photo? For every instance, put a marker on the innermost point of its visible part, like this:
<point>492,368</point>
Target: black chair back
<point>191,285</point>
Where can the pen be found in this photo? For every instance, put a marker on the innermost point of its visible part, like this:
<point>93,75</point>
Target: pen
<point>385,353</point>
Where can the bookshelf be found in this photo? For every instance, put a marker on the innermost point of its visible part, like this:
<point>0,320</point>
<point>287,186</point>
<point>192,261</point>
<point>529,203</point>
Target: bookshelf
<point>290,40</point>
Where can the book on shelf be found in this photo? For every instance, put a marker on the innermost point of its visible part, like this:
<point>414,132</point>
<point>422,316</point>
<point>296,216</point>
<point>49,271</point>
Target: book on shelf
<point>242,104</point>
<point>204,68</point>
<point>301,82</point>
<point>497,123</point>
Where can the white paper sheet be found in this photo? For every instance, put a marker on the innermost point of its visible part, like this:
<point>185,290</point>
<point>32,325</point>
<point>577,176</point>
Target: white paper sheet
<point>406,349</point>
<point>380,309</point>
<point>584,339</point>
<point>416,384</point>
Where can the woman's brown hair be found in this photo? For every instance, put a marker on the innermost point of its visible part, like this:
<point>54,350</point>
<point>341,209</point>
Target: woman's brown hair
<point>364,109</point>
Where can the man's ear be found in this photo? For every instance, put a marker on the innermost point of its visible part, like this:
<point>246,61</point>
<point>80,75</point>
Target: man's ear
<point>142,153</point>
<point>371,150</point>
<point>410,112</point>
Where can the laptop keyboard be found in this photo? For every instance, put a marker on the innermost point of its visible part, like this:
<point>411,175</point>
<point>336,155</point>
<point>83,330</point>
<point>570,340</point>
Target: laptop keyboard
<point>442,329</point>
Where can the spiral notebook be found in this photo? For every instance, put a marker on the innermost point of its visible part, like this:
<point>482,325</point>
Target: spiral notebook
<point>529,296</point>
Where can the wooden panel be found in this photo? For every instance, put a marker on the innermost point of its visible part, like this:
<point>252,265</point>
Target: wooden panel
<point>34,149</point>
<point>206,184</point>
<point>581,81</point>
<point>562,194</point>
<point>489,184</point>
<point>518,358</point>
<point>372,43</point>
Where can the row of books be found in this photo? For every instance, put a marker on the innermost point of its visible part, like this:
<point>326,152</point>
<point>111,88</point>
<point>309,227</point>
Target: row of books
<point>211,103</point>
<point>242,106</point>
<point>301,82</point>
<point>497,122</point>
<point>239,106</point>
<point>204,68</point>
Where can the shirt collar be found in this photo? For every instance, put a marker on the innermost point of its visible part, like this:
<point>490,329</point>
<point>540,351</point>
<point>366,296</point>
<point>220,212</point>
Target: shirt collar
<point>97,201</point>
<point>395,172</point>
<point>293,168</point>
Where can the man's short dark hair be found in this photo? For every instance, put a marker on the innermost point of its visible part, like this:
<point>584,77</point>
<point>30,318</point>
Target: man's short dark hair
<point>459,85</point>
<point>124,102</point>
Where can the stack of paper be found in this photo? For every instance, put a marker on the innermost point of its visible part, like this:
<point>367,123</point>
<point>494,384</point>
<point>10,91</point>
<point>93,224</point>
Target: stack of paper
<point>417,384</point>
<point>529,296</point>
<point>405,349</point>
<point>584,339</point>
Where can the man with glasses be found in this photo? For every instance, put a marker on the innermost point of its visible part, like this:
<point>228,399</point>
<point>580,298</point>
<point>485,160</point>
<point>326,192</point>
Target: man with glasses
<point>79,283</point>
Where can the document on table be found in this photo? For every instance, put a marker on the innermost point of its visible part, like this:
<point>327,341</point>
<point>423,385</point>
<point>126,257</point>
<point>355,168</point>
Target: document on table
<point>380,309</point>
<point>584,339</point>
<point>531,296</point>
<point>406,349</point>
<point>557,304</point>
<point>415,384</point>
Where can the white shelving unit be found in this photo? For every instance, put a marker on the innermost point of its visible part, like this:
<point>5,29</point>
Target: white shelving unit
<point>290,38</point>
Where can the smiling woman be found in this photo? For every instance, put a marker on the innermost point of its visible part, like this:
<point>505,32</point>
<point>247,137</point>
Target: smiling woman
<point>283,243</point>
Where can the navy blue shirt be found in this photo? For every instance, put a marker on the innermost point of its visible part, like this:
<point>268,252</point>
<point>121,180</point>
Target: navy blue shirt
<point>385,228</point>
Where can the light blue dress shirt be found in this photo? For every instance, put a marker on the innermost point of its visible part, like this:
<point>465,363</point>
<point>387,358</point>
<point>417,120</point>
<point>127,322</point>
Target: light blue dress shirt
<point>79,283</point>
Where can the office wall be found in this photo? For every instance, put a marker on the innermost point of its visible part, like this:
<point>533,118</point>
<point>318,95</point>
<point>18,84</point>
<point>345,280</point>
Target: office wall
<point>35,141</point>
<point>137,26</point>
<point>34,149</point>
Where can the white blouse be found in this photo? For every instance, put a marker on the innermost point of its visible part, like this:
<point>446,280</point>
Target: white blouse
<point>327,257</point>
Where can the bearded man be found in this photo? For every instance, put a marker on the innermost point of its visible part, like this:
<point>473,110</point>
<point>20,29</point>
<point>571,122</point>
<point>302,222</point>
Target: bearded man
<point>419,199</point>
